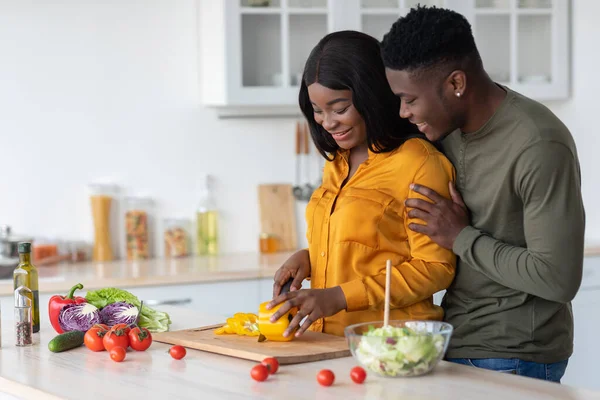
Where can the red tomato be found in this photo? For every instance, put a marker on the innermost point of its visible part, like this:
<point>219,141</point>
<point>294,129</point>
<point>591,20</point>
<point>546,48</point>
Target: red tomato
<point>177,352</point>
<point>358,375</point>
<point>117,354</point>
<point>93,338</point>
<point>123,327</point>
<point>259,372</point>
<point>272,364</point>
<point>325,377</point>
<point>103,326</point>
<point>140,339</point>
<point>115,338</point>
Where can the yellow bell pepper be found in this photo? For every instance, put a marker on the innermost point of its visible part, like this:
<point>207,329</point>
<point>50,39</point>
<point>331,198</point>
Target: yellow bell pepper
<point>274,330</point>
<point>244,324</point>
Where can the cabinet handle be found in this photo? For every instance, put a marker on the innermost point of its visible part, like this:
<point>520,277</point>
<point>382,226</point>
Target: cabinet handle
<point>174,302</point>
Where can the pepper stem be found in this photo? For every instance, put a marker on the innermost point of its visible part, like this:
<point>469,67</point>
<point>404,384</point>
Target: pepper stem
<point>79,286</point>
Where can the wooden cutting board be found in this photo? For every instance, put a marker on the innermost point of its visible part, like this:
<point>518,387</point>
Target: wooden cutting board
<point>278,214</point>
<point>311,346</point>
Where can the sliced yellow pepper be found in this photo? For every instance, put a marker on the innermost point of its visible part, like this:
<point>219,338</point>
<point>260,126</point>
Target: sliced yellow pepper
<point>240,324</point>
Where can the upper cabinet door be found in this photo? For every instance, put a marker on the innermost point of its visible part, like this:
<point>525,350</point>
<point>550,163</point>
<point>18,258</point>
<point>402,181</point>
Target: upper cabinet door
<point>377,16</point>
<point>261,47</point>
<point>524,44</point>
<point>252,52</point>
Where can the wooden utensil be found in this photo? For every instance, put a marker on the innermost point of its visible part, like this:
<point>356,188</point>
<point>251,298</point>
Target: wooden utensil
<point>298,184</point>
<point>311,346</point>
<point>307,188</point>
<point>388,278</point>
<point>278,214</point>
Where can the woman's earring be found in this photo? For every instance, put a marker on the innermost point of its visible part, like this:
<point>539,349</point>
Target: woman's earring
<point>457,94</point>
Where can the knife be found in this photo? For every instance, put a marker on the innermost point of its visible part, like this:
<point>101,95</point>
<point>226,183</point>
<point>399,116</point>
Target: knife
<point>284,289</point>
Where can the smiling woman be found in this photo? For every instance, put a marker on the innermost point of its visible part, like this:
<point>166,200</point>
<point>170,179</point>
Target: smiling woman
<point>357,219</point>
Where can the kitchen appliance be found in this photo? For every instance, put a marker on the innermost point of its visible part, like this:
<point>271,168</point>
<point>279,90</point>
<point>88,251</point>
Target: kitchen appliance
<point>9,253</point>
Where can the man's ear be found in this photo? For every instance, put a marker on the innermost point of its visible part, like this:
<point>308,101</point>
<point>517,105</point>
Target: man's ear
<point>457,82</point>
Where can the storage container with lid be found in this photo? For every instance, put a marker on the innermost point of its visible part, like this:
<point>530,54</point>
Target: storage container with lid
<point>137,227</point>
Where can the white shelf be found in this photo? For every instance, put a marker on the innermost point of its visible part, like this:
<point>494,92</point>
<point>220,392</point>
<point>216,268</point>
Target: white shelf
<point>506,11</point>
<point>383,11</point>
<point>260,10</point>
<point>534,11</point>
<point>278,10</point>
<point>492,11</point>
<point>307,11</point>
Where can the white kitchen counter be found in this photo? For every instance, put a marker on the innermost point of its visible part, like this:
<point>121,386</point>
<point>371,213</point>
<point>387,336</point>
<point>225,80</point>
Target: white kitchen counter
<point>36,373</point>
<point>58,279</point>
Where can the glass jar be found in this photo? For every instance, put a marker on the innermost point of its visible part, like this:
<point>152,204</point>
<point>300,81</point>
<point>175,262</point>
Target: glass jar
<point>101,199</point>
<point>137,227</point>
<point>176,236</point>
<point>268,243</point>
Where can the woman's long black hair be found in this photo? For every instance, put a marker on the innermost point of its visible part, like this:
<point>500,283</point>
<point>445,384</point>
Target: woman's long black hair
<point>351,60</point>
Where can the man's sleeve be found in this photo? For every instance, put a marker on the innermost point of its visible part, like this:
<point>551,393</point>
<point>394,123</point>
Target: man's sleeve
<point>549,183</point>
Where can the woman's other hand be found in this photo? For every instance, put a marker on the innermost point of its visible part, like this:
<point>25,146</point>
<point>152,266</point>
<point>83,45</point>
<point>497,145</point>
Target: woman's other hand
<point>296,267</point>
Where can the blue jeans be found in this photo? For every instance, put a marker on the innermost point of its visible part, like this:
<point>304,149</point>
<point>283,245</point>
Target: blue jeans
<point>548,372</point>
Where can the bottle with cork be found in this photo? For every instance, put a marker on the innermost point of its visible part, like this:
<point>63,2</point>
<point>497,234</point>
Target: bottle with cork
<point>26,275</point>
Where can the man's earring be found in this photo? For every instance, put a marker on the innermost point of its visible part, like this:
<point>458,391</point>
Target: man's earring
<point>457,94</point>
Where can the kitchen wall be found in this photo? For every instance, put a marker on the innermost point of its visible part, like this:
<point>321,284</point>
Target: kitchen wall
<point>578,113</point>
<point>109,89</point>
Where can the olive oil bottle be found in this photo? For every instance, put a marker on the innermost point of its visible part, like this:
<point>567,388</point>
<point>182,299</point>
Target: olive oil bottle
<point>207,221</point>
<point>26,274</point>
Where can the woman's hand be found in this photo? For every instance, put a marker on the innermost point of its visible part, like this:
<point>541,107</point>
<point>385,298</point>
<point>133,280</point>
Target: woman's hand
<point>312,303</point>
<point>297,267</point>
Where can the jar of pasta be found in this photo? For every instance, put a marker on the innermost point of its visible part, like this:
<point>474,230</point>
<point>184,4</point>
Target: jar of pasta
<point>137,215</point>
<point>176,236</point>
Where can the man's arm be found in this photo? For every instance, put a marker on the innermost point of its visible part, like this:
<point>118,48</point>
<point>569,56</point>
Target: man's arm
<point>549,184</point>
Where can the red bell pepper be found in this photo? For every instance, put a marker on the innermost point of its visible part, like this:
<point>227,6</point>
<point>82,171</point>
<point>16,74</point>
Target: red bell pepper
<point>57,303</point>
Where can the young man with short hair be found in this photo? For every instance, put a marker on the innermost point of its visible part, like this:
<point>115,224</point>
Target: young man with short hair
<point>518,223</point>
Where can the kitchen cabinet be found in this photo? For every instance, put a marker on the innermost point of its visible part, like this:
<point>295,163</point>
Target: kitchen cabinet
<point>220,298</point>
<point>582,370</point>
<point>252,56</point>
<point>216,298</point>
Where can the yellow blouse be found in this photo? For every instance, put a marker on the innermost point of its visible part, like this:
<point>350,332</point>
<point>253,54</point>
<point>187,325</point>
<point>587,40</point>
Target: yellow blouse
<point>352,231</point>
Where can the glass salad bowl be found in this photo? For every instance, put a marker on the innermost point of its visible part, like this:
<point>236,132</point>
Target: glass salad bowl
<point>403,348</point>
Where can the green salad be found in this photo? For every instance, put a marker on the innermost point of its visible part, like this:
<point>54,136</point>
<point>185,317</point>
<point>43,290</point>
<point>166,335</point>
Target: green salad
<point>395,351</point>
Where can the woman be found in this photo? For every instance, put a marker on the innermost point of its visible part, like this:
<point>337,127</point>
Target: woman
<point>356,219</point>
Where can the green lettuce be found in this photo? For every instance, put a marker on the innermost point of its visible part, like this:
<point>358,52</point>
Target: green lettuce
<point>153,320</point>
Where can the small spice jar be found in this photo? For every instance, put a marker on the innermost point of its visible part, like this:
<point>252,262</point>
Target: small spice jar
<point>176,237</point>
<point>268,243</point>
<point>23,316</point>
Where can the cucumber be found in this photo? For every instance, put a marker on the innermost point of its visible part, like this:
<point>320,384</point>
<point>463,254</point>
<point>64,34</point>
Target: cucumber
<point>66,341</point>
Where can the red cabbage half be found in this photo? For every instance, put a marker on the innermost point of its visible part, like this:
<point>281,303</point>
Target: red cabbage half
<point>119,313</point>
<point>78,317</point>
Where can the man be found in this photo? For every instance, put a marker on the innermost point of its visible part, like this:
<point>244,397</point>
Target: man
<point>520,244</point>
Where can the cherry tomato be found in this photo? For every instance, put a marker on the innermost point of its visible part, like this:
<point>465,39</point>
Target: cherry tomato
<point>259,372</point>
<point>272,364</point>
<point>140,339</point>
<point>358,375</point>
<point>93,338</point>
<point>177,352</point>
<point>117,354</point>
<point>115,338</point>
<point>325,377</point>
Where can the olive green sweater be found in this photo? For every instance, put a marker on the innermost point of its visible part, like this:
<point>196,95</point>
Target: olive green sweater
<point>520,261</point>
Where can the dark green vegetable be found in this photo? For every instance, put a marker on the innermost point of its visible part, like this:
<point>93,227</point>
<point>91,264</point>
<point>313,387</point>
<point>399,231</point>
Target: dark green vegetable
<point>66,341</point>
